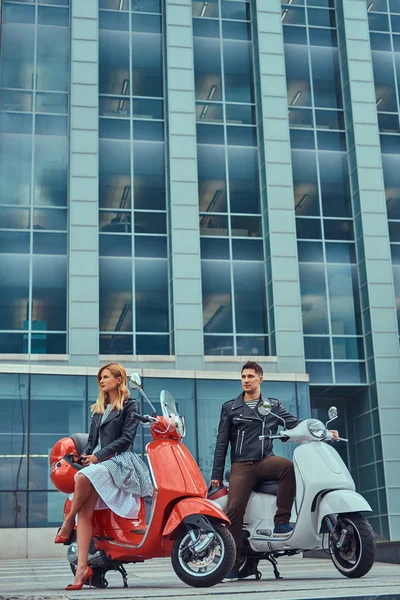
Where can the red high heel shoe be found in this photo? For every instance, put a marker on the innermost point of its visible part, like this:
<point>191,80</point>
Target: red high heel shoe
<point>79,586</point>
<point>61,539</point>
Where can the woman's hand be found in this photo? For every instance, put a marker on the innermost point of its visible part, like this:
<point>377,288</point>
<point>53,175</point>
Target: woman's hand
<point>88,460</point>
<point>335,435</point>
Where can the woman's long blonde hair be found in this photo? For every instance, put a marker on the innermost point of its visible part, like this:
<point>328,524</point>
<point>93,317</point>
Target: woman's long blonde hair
<point>117,370</point>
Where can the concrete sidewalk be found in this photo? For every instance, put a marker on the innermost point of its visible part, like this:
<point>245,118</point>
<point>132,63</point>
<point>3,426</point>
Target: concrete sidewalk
<point>302,579</point>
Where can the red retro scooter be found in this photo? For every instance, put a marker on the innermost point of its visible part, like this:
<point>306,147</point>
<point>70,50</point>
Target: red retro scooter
<point>183,524</point>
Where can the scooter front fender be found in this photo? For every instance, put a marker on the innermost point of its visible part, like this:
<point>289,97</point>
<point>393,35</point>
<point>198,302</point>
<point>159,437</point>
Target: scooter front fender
<point>341,501</point>
<point>192,506</point>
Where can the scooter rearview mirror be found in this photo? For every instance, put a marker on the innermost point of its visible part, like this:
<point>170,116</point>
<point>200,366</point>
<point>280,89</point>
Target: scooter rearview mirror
<point>264,407</point>
<point>135,381</point>
<point>332,414</point>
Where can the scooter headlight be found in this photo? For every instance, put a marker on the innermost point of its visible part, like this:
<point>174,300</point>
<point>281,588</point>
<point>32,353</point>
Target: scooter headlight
<point>316,428</point>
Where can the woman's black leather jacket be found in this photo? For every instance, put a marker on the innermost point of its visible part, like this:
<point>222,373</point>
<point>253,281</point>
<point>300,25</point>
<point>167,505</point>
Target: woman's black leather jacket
<point>117,432</point>
<point>244,436</point>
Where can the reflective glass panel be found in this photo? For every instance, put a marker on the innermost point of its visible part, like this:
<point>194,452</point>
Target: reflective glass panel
<point>209,112</point>
<point>217,303</point>
<point>49,294</point>
<point>149,175</point>
<point>313,299</point>
<point>211,178</point>
<point>14,218</point>
<point>235,10</point>
<point>350,372</point>
<point>238,71</point>
<point>17,55</point>
<point>147,70</point>
<point>52,69</point>
<point>152,300</point>
<point>214,248</point>
<point>211,224</point>
<point>250,301</point>
<point>115,295</point>
<point>347,348</point>
<point>205,9</point>
<point>385,88</point>
<point>326,77</point>
<point>344,300</point>
<point>13,431</point>
<point>334,180</point>
<point>207,69</point>
<point>114,75</point>
<point>218,345</point>
<point>297,75</point>
<point>51,171</point>
<point>305,183</point>
<point>317,348</point>
<point>14,291</point>
<point>114,174</point>
<point>15,101</point>
<point>244,180</point>
<point>13,509</point>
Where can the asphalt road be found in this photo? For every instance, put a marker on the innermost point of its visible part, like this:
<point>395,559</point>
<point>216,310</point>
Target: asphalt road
<point>303,579</point>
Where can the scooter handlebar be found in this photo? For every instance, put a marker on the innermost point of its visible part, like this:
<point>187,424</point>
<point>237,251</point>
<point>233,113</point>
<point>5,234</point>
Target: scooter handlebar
<point>145,418</point>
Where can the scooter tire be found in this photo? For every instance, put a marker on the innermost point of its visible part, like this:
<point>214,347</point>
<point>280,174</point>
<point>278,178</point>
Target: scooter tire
<point>363,539</point>
<point>205,579</point>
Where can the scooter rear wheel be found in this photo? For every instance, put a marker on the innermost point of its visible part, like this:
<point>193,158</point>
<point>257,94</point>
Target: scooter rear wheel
<point>357,555</point>
<point>209,567</point>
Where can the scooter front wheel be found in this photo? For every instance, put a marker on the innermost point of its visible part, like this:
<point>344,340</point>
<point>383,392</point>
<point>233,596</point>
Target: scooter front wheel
<point>207,567</point>
<point>357,554</point>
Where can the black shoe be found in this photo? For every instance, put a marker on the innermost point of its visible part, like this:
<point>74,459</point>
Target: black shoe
<point>282,530</point>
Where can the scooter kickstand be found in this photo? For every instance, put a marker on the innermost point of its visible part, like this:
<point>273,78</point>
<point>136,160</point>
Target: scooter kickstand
<point>274,562</point>
<point>124,574</point>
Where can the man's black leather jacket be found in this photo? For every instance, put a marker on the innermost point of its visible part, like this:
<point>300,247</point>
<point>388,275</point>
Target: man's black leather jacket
<point>117,432</point>
<point>244,435</point>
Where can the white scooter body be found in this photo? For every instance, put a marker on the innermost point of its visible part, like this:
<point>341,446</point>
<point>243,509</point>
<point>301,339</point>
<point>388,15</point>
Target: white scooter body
<point>324,487</point>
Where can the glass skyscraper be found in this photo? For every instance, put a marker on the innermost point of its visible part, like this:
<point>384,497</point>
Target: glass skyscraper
<point>185,186</point>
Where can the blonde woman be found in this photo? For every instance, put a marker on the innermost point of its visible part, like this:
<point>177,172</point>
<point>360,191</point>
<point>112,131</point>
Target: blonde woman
<point>113,476</point>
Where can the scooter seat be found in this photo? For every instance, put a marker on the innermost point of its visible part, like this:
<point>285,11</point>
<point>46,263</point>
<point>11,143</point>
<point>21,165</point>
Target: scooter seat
<point>264,486</point>
<point>80,441</point>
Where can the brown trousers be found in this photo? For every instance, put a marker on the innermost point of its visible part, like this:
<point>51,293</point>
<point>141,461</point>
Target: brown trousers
<point>244,476</point>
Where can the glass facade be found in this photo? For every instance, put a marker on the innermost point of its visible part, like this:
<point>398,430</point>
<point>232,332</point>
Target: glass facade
<point>333,340</point>
<point>230,213</point>
<point>181,186</point>
<point>134,280</point>
<point>34,83</point>
<point>39,409</point>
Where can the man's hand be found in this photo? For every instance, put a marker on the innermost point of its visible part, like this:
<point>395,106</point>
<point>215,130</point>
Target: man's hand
<point>215,483</point>
<point>91,459</point>
<point>335,435</point>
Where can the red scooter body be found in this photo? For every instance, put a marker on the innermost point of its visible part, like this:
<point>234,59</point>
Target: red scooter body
<point>179,505</point>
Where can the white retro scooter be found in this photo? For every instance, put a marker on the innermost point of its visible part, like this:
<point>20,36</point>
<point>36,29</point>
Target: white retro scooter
<point>326,505</point>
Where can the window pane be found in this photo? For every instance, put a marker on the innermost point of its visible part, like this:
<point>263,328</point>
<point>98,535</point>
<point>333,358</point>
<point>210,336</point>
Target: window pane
<point>207,68</point>
<point>147,71</point>
<point>244,180</point>
<point>335,187</point>
<point>150,222</point>
<point>49,293</point>
<point>305,183</point>
<point>217,304</point>
<point>114,174</point>
<point>152,298</point>
<point>385,87</point>
<point>344,300</point>
<point>14,218</point>
<point>250,301</point>
<point>149,175</point>
<point>13,509</point>
<point>113,62</point>
<point>300,117</point>
<point>115,222</point>
<point>212,179</point>
<point>15,101</point>
<point>308,229</point>
<point>116,344</point>
<point>15,169</point>
<point>214,248</point>
<point>238,71</point>
<point>17,55</point>
<point>319,372</point>
<point>313,298</point>
<point>326,77</point>
<point>206,10</point>
<point>151,246</point>
<point>350,372</point>
<point>44,218</point>
<point>13,343</point>
<point>348,348</point>
<point>247,250</point>
<point>236,113</point>
<point>14,291</point>
<point>115,245</point>
<point>115,295</point>
<point>340,253</point>
<point>57,409</point>
<point>51,103</point>
<point>252,345</point>
<point>13,431</point>
<point>246,226</point>
<point>211,224</point>
<point>317,348</point>
<point>52,70</point>
<point>51,171</point>
<point>152,344</point>
<point>235,10</point>
<point>209,112</point>
<point>329,119</point>
<point>297,75</point>
<point>310,252</point>
<point>45,508</point>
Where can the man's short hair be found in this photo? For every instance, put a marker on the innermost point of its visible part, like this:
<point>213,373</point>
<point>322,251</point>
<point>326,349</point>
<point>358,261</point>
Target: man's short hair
<point>253,365</point>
